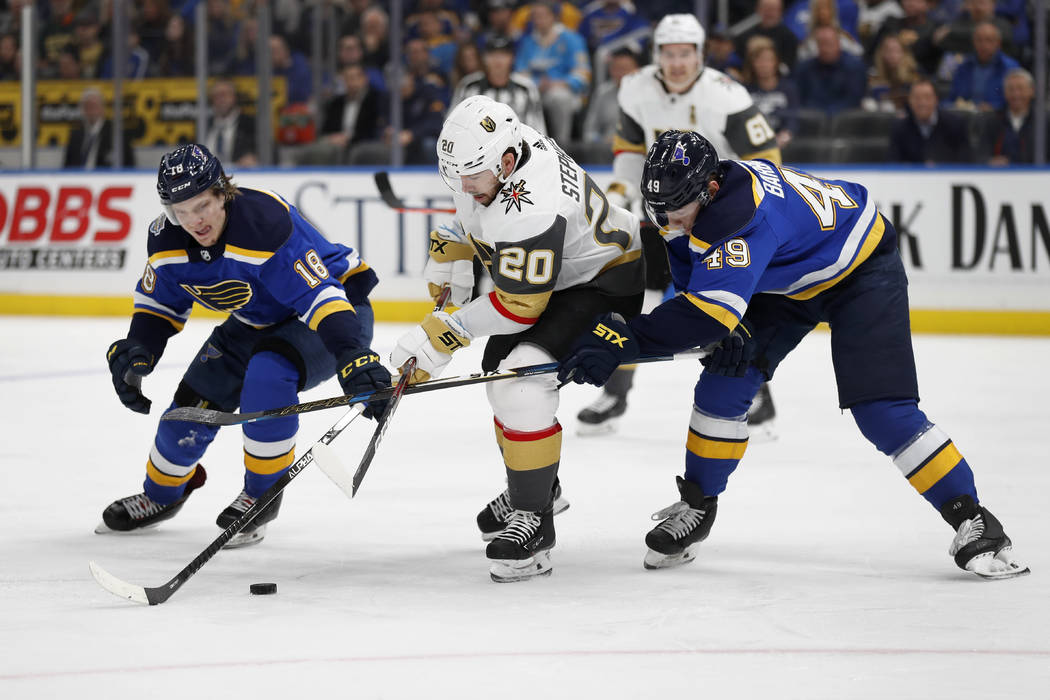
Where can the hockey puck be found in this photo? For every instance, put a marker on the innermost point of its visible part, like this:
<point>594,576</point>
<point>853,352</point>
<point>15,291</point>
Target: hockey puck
<point>263,588</point>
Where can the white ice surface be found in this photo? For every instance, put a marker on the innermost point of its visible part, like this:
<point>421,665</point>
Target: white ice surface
<point>826,575</point>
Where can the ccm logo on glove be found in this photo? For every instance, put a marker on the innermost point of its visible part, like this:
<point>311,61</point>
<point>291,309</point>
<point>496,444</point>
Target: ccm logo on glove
<point>357,363</point>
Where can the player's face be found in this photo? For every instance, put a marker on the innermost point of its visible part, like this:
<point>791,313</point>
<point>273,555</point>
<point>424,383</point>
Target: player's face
<point>203,216</point>
<point>483,186</point>
<point>683,219</point>
<point>679,64</point>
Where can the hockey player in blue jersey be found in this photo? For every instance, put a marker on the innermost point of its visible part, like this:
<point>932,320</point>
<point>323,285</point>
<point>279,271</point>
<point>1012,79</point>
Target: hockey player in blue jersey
<point>765,253</point>
<point>299,313</point>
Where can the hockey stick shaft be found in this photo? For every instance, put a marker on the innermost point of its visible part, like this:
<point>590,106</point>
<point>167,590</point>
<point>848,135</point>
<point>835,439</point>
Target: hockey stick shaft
<point>386,191</point>
<point>407,371</point>
<point>158,595</point>
<point>209,416</point>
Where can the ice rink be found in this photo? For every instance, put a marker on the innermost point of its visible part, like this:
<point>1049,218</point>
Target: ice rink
<point>826,575</point>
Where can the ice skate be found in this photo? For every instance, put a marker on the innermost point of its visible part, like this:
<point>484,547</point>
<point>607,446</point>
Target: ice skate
<point>684,526</point>
<point>602,416</point>
<point>761,422</point>
<point>253,532</point>
<point>492,519</point>
<point>140,512</point>
<point>980,545</point>
<point>522,550</point>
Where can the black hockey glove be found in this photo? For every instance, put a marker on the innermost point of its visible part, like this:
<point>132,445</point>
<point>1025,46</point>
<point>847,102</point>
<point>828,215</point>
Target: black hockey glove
<point>129,362</point>
<point>359,372</point>
<point>732,355</point>
<point>596,354</point>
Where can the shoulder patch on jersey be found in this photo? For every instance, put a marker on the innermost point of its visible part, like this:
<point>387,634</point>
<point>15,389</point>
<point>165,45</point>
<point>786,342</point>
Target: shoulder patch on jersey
<point>157,225</point>
<point>540,145</point>
<point>514,195</point>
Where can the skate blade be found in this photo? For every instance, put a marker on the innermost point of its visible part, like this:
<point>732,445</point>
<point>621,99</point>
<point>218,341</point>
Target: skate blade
<point>656,560</point>
<point>103,529</point>
<point>514,570</point>
<point>1001,565</point>
<point>560,505</point>
<point>597,429</point>
<point>246,539</point>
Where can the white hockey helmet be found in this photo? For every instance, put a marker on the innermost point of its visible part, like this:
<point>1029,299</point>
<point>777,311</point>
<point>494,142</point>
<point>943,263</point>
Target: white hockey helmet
<point>679,29</point>
<point>476,134</point>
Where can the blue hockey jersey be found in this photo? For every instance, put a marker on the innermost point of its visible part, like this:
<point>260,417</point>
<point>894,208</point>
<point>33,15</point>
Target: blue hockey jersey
<point>269,265</point>
<point>770,229</point>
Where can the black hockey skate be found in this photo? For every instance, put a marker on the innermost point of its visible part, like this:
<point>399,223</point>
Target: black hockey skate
<point>253,532</point>
<point>140,511</point>
<point>522,550</point>
<point>685,525</point>
<point>980,545</point>
<point>760,419</point>
<point>492,519</point>
<point>601,416</point>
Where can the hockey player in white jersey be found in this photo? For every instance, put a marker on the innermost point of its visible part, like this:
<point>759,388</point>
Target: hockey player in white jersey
<point>559,255</point>
<point>677,91</point>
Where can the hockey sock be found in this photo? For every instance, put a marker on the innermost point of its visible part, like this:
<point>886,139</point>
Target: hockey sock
<point>620,382</point>
<point>177,447</point>
<point>532,459</point>
<point>923,452</point>
<point>270,381</point>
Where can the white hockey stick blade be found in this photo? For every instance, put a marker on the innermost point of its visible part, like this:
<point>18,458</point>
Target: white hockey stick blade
<point>328,462</point>
<point>121,589</point>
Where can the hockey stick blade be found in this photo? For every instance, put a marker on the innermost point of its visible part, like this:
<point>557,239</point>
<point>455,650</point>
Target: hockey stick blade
<point>386,191</point>
<point>159,594</point>
<point>208,416</point>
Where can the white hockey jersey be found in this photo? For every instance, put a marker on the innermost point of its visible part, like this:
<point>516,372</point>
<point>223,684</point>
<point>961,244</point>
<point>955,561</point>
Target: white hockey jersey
<point>715,106</point>
<point>549,228</point>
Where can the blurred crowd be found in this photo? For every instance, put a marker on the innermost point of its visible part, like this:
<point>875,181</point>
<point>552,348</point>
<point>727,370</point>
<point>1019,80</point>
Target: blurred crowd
<point>916,81</point>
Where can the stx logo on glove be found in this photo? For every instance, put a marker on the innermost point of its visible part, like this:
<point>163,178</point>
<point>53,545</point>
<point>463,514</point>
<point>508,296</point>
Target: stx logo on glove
<point>451,341</point>
<point>606,333</point>
<point>437,245</point>
<point>357,363</point>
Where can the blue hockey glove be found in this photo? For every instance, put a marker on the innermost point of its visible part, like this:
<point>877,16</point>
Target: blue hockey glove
<point>360,371</point>
<point>130,361</point>
<point>597,353</point>
<point>732,355</point>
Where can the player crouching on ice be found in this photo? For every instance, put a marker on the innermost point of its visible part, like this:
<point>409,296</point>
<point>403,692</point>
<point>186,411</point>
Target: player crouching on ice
<point>559,254</point>
<point>766,253</point>
<point>299,313</point>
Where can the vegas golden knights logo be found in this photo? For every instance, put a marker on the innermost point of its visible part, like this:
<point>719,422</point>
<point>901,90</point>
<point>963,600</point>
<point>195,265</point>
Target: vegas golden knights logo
<point>228,295</point>
<point>488,124</point>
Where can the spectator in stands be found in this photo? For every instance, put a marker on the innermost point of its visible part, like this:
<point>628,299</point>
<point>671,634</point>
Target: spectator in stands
<point>599,126</point>
<point>957,37</point>
<point>720,53</point>
<point>229,134</point>
<point>497,81</point>
<point>873,14</point>
<point>56,33</point>
<point>799,17</point>
<point>891,77</point>
<point>90,144</point>
<point>293,67</point>
<point>231,42</point>
<point>356,115</point>
<point>775,95</point>
<point>138,60</point>
<point>978,81</point>
<point>915,31</point>
<point>68,66</point>
<point>177,55</point>
<point>90,49</point>
<point>1012,133</point>
<point>832,81</point>
<point>825,13</point>
<point>444,11</point>
<point>351,51</point>
<point>613,23</point>
<point>441,46</point>
<point>927,135</point>
<point>353,11</point>
<point>375,37</point>
<point>151,21</point>
<point>419,63</point>
<point>467,61</point>
<point>10,63</point>
<point>771,25</point>
<point>423,105</point>
<point>498,21</point>
<point>555,57</point>
<point>565,14</point>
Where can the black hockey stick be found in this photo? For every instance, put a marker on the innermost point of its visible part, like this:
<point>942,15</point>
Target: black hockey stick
<point>208,416</point>
<point>382,179</point>
<point>156,596</point>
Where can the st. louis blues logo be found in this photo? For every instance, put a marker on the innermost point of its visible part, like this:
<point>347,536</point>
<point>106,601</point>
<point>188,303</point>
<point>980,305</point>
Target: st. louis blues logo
<point>514,195</point>
<point>679,155</point>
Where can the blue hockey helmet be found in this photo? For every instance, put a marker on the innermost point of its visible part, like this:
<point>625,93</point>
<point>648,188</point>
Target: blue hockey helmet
<point>186,172</point>
<point>677,169</point>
